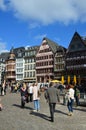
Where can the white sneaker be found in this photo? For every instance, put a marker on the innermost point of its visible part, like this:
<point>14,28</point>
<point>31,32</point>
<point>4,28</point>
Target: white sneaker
<point>71,114</point>
<point>34,110</point>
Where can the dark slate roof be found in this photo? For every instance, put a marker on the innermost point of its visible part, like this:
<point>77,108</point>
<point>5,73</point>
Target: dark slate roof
<point>17,50</point>
<point>61,48</point>
<point>53,45</point>
<point>78,45</point>
<point>84,39</point>
<point>4,56</point>
<point>31,48</point>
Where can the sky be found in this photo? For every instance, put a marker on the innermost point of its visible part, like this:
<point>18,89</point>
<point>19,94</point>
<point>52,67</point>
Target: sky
<point>26,22</point>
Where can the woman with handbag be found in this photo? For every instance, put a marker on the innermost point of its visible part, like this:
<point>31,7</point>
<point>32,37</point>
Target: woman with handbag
<point>24,95</point>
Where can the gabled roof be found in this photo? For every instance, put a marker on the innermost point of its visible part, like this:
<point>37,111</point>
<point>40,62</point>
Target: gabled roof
<point>4,56</point>
<point>17,50</point>
<point>31,48</point>
<point>61,48</point>
<point>53,45</point>
<point>84,39</point>
<point>77,43</point>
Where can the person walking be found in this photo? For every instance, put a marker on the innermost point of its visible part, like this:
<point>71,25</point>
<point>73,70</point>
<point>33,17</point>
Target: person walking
<point>52,97</point>
<point>70,95</point>
<point>30,91</point>
<point>77,96</point>
<point>24,95</point>
<point>3,89</point>
<point>36,97</point>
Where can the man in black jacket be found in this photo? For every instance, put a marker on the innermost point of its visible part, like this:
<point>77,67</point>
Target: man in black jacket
<point>52,96</point>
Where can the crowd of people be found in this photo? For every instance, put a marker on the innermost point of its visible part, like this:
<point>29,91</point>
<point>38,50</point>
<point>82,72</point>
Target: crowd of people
<point>32,93</point>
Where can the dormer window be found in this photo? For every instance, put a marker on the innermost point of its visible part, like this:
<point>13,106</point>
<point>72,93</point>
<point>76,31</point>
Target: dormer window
<point>19,54</point>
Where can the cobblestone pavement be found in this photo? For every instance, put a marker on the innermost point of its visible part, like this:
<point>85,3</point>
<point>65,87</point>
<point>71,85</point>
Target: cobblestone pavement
<point>13,117</point>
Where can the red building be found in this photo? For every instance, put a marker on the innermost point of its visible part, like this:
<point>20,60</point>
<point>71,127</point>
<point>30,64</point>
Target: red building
<point>45,60</point>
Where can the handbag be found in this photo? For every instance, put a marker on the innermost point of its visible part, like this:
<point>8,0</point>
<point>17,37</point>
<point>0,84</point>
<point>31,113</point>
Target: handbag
<point>39,93</point>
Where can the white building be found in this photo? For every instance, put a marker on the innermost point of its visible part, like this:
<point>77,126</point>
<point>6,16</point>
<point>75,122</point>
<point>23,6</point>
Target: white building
<point>20,66</point>
<point>30,63</point>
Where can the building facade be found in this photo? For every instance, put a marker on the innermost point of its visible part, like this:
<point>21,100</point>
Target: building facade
<point>59,63</point>
<point>10,72</point>
<point>3,57</point>
<point>76,59</point>
<point>20,64</point>
<point>2,71</point>
<point>45,60</point>
<point>30,64</point>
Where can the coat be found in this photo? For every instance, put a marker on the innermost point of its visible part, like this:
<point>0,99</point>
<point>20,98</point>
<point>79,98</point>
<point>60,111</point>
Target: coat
<point>35,93</point>
<point>52,95</point>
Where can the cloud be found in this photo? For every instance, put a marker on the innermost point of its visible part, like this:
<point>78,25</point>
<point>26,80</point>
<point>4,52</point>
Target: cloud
<point>33,25</point>
<point>2,46</point>
<point>48,11</point>
<point>2,5</point>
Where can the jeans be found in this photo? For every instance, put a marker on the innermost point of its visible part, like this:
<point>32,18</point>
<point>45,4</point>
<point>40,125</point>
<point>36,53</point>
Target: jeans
<point>77,101</point>
<point>30,97</point>
<point>70,105</point>
<point>36,105</point>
